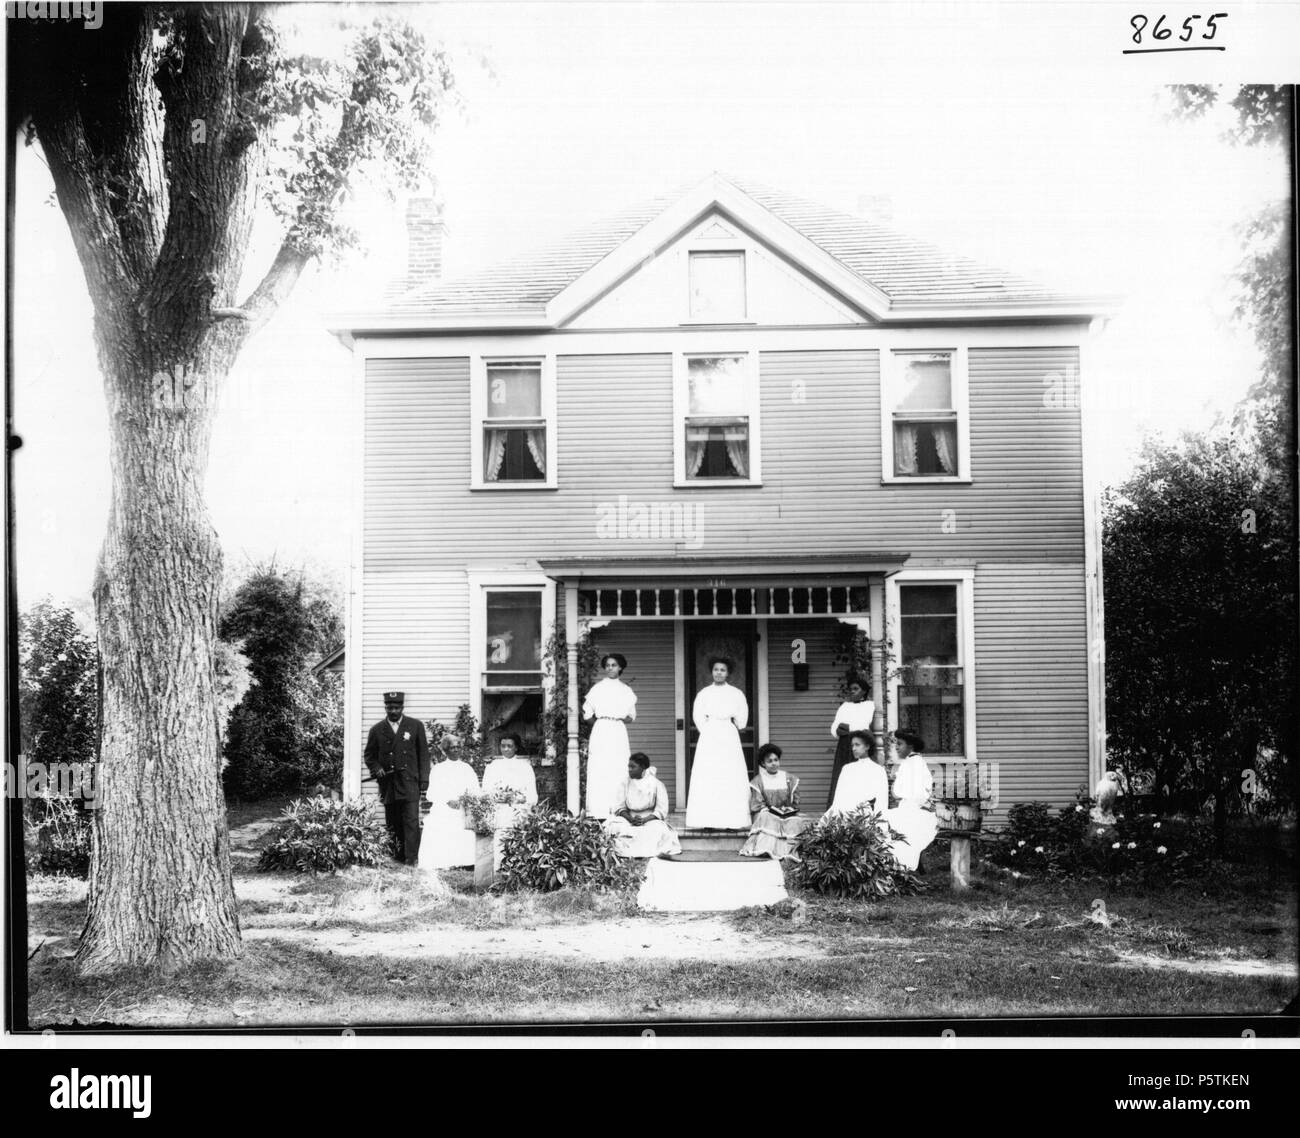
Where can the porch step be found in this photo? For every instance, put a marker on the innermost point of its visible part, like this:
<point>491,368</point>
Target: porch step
<point>706,840</point>
<point>709,883</point>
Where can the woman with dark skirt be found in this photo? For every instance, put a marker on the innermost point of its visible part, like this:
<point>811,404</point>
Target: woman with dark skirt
<point>855,714</point>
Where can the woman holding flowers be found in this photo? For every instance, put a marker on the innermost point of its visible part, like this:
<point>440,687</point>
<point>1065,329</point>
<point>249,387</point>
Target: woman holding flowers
<point>445,843</point>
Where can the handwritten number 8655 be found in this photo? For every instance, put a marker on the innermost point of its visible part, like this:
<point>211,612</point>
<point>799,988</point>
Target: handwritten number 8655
<point>1160,32</point>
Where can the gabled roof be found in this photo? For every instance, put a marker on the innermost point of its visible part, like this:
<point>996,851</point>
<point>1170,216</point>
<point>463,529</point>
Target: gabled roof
<point>886,274</point>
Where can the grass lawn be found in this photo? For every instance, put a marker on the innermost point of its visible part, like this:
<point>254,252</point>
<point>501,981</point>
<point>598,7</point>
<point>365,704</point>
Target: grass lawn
<point>386,946</point>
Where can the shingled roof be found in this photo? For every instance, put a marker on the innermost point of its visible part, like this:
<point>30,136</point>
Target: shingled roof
<point>910,273</point>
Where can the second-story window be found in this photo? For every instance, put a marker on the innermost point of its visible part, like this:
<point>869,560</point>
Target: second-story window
<point>925,415</point>
<point>514,423</point>
<point>717,286</point>
<point>717,424</point>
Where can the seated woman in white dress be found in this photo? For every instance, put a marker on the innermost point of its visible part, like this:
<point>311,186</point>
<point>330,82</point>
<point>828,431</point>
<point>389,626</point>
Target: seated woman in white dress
<point>718,797</point>
<point>640,824</point>
<point>774,803</point>
<point>914,815</point>
<point>612,704</point>
<point>863,782</point>
<point>444,842</point>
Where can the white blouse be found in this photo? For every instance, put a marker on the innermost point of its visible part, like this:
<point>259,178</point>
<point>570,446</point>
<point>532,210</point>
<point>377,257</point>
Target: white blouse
<point>517,773</point>
<point>719,703</point>
<point>913,781</point>
<point>857,716</point>
<point>861,781</point>
<point>610,699</point>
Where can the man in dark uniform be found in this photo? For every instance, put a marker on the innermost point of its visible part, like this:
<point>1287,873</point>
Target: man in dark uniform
<point>397,754</point>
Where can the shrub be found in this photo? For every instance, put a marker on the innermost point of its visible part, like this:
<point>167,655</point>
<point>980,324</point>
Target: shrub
<point>60,832</point>
<point>319,835</point>
<point>1140,847</point>
<point>549,849</point>
<point>848,855</point>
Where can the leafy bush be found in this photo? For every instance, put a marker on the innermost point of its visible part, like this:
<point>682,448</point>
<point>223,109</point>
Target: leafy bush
<point>482,808</point>
<point>57,698</point>
<point>848,855</point>
<point>59,829</point>
<point>463,740</point>
<point>548,850</point>
<point>1142,847</point>
<point>319,835</point>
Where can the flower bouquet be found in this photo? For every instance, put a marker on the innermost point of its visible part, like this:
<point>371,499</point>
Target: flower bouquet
<point>480,810</point>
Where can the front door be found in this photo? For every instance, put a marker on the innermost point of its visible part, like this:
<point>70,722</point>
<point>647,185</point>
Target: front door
<point>734,640</point>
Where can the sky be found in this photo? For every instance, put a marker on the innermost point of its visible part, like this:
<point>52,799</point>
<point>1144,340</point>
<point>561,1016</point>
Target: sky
<point>1017,134</point>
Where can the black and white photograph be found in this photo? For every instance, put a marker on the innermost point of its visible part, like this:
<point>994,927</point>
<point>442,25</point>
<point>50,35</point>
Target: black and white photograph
<point>652,517</point>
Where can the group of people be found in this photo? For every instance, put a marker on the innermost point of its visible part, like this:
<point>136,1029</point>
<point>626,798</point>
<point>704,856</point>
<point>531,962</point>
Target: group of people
<point>624,790</point>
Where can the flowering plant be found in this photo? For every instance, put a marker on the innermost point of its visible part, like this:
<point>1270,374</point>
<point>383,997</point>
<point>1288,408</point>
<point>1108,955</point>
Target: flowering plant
<point>481,809</point>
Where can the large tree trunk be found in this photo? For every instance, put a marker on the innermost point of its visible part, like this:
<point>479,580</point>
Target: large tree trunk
<point>160,887</point>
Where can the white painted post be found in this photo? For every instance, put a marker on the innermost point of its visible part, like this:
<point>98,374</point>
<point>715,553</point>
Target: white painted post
<point>876,592</point>
<point>571,762</point>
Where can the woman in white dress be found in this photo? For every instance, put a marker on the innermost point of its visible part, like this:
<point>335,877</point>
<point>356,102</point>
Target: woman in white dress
<point>718,797</point>
<point>509,770</point>
<point>612,704</point>
<point>445,843</point>
<point>914,815</point>
<point>855,714</point>
<point>863,781</point>
<point>640,823</point>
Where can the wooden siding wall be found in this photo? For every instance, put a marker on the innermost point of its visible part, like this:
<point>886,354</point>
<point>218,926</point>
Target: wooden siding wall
<point>800,721</point>
<point>1031,647</point>
<point>1020,522</point>
<point>649,652</point>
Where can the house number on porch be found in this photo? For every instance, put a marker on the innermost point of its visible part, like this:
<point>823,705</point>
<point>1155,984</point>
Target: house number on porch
<point>798,652</point>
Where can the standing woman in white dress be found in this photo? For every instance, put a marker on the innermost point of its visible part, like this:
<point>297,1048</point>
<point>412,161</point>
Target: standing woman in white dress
<point>445,843</point>
<point>718,798</point>
<point>914,815</point>
<point>612,704</point>
<point>855,714</point>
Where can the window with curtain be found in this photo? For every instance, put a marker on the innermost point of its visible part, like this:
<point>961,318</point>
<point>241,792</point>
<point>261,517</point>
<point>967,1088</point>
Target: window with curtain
<point>930,694</point>
<point>925,417</point>
<point>514,428</point>
<point>717,286</point>
<point>717,418</point>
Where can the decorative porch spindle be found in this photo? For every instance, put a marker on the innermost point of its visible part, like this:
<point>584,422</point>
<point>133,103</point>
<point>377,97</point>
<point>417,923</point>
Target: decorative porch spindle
<point>876,592</point>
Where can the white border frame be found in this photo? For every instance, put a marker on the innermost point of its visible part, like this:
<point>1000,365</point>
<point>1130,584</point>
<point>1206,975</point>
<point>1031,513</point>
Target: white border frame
<point>964,579</point>
<point>741,244</point>
<point>479,582</point>
<point>749,361</point>
<point>478,365</point>
<point>889,372</point>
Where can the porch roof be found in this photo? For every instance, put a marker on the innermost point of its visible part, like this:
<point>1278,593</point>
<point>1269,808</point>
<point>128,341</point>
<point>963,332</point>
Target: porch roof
<point>749,569</point>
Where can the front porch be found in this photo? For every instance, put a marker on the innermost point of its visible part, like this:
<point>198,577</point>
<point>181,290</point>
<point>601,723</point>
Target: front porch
<point>769,614</point>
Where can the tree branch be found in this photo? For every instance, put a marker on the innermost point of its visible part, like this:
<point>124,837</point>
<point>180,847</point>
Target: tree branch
<point>264,301</point>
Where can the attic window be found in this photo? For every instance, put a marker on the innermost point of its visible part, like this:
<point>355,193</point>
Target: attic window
<point>717,286</point>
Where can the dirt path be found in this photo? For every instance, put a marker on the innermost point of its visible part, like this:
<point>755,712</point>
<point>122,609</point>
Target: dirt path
<point>1220,967</point>
<point>641,938</point>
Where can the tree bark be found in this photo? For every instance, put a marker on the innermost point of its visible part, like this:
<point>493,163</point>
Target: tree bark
<point>161,889</point>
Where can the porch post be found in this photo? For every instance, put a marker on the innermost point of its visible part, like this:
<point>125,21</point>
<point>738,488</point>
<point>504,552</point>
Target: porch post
<point>571,763</point>
<point>876,593</point>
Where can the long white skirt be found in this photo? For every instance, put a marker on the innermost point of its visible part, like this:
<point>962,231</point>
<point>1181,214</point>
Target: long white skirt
<point>648,840</point>
<point>444,841</point>
<point>718,798</point>
<point>607,756</point>
<point>917,826</point>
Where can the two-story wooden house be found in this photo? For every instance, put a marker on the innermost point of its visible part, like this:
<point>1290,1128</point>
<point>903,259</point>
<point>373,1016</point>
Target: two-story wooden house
<point>737,421</point>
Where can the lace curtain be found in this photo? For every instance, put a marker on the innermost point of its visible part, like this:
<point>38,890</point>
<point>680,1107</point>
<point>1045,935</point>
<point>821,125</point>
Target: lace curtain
<point>494,451</point>
<point>945,445</point>
<point>906,437</point>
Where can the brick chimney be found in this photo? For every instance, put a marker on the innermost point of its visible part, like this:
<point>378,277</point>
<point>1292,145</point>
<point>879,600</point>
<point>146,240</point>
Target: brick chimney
<point>425,233</point>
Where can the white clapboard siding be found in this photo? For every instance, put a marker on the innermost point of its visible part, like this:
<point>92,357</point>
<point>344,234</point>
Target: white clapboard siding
<point>799,722</point>
<point>649,652</point>
<point>1031,648</point>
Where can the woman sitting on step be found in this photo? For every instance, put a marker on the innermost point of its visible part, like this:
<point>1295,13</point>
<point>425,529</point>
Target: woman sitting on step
<point>640,819</point>
<point>774,803</point>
